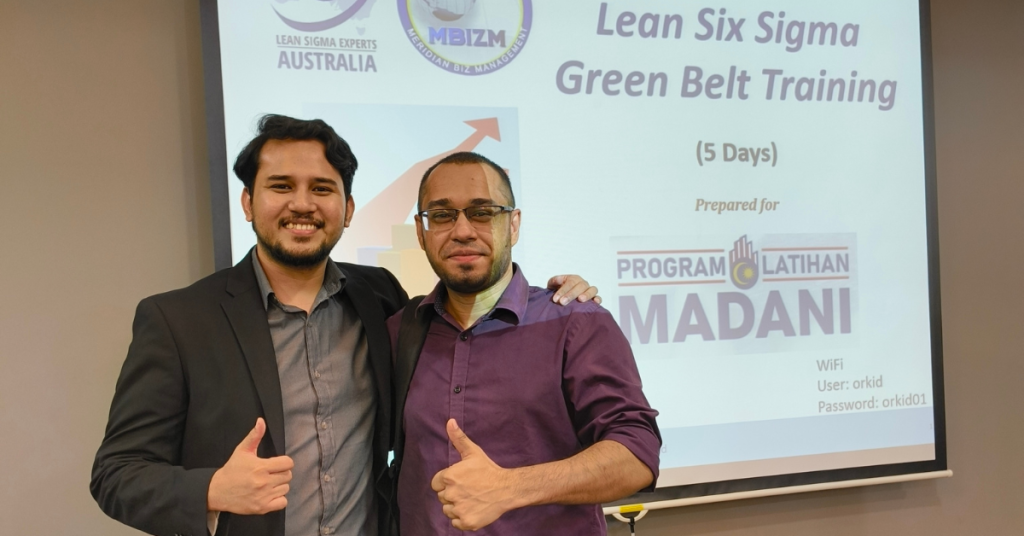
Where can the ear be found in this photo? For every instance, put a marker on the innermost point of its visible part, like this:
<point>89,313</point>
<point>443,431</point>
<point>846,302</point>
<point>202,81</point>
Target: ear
<point>514,221</point>
<point>419,232</point>
<point>247,204</point>
<point>350,208</point>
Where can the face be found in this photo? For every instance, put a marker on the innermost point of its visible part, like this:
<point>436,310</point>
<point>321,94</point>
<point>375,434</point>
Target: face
<point>468,259</point>
<point>297,205</point>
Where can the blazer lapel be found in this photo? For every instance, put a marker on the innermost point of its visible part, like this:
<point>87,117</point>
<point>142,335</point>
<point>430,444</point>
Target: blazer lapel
<point>365,303</point>
<point>248,319</point>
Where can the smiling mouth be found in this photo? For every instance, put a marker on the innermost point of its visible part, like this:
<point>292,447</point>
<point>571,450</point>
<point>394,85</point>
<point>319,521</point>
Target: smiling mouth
<point>298,226</point>
<point>465,256</point>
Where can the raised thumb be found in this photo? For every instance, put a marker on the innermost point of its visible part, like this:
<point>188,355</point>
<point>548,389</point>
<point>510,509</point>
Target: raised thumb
<point>460,440</point>
<point>252,440</point>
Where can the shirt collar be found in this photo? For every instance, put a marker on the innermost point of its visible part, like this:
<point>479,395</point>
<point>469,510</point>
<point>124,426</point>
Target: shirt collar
<point>513,300</point>
<point>334,280</point>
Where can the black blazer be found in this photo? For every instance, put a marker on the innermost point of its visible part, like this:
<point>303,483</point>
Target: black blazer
<point>200,369</point>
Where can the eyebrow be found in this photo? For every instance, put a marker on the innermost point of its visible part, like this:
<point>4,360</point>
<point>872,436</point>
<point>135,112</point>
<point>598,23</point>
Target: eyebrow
<point>289,177</point>
<point>447,203</point>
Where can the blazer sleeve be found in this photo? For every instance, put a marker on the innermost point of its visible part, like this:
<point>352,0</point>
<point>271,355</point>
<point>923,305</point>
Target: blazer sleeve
<point>137,477</point>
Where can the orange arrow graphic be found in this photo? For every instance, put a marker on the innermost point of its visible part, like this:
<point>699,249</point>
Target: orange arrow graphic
<point>371,225</point>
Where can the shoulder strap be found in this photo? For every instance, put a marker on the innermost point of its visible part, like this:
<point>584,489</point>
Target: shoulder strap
<point>411,336</point>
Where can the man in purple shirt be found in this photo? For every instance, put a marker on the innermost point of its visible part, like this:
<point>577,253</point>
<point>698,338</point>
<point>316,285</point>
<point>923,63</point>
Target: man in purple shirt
<point>521,416</point>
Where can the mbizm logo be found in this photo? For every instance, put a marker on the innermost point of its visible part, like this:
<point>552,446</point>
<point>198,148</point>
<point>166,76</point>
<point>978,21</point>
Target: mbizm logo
<point>466,36</point>
<point>776,293</point>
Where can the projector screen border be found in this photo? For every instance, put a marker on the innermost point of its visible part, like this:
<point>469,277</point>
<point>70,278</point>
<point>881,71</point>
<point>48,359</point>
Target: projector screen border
<point>771,492</point>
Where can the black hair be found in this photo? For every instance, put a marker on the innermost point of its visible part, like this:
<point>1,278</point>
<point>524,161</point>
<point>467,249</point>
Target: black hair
<point>466,157</point>
<point>280,127</point>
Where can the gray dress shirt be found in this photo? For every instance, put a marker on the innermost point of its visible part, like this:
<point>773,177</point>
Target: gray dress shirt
<point>329,404</point>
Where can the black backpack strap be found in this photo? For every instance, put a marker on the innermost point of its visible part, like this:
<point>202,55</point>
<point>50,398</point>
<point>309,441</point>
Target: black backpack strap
<point>411,336</point>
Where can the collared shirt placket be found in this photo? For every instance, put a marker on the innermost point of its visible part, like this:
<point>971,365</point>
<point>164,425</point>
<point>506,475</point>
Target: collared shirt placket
<point>320,377</point>
<point>458,386</point>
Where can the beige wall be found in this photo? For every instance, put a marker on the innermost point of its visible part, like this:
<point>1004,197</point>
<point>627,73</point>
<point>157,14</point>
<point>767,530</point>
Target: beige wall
<point>104,200</point>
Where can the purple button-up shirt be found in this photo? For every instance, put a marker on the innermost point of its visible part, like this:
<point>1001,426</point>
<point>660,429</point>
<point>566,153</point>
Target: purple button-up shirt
<point>531,382</point>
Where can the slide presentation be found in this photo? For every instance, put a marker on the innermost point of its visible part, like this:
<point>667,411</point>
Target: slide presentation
<point>745,181</point>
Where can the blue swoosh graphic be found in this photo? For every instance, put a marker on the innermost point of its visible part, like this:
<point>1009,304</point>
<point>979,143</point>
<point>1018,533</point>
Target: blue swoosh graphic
<point>325,24</point>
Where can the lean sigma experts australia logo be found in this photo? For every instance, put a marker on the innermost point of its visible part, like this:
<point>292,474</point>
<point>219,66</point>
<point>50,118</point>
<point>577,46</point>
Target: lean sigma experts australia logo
<point>319,41</point>
<point>469,37</point>
<point>320,15</point>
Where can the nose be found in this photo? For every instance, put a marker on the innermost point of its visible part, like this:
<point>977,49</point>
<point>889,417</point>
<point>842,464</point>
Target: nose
<point>301,202</point>
<point>463,229</point>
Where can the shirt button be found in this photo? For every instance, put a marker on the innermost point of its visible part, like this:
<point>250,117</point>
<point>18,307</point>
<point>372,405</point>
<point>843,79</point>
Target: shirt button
<point>316,374</point>
<point>464,336</point>
<point>458,389</point>
<point>327,478</point>
<point>327,530</point>
<point>323,425</point>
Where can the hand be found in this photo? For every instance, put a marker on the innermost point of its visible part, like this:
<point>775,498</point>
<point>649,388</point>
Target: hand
<point>568,287</point>
<point>475,491</point>
<point>743,249</point>
<point>743,263</point>
<point>248,484</point>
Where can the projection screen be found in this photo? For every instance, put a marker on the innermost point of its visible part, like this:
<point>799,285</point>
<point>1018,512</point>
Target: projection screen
<point>750,185</point>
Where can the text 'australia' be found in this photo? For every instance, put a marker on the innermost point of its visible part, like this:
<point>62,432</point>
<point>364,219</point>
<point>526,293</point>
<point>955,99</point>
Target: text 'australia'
<point>326,61</point>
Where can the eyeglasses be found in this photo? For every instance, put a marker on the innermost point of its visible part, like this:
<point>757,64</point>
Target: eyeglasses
<point>443,219</point>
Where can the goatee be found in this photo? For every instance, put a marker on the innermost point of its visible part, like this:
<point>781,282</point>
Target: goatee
<point>297,260</point>
<point>292,259</point>
<point>464,283</point>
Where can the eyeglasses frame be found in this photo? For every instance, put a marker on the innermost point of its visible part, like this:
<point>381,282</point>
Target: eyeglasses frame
<point>422,215</point>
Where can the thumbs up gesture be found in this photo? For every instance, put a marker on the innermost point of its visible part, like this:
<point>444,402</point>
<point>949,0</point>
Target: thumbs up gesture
<point>248,484</point>
<point>475,491</point>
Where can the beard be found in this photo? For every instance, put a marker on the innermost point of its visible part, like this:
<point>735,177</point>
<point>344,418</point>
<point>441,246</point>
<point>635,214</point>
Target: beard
<point>293,259</point>
<point>465,282</point>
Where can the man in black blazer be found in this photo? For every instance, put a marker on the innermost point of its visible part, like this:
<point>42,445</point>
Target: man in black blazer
<point>200,370</point>
<point>285,340</point>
